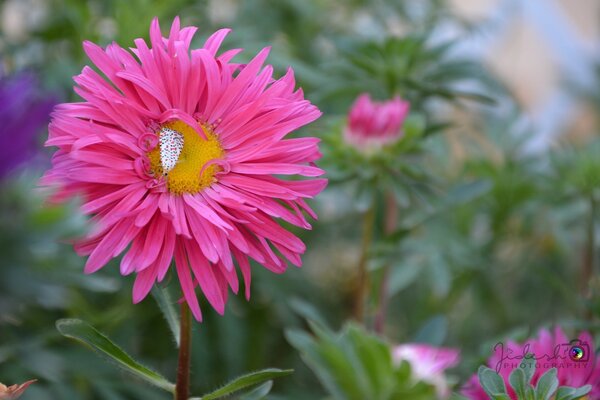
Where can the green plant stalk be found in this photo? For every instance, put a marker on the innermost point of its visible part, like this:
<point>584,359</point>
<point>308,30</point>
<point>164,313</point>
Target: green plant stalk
<point>589,258</point>
<point>391,216</point>
<point>363,281</point>
<point>182,386</point>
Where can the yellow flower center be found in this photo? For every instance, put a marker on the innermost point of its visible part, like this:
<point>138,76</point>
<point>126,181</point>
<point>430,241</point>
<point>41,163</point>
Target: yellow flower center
<point>184,176</point>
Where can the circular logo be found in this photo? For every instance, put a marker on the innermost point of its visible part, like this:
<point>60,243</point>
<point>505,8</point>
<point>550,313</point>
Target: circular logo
<point>576,353</point>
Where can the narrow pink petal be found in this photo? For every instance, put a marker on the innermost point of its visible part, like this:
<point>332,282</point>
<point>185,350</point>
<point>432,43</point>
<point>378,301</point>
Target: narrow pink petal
<point>203,271</point>
<point>131,258</point>
<point>197,204</point>
<point>214,41</point>
<point>244,265</point>
<point>166,255</point>
<point>186,281</point>
<point>144,282</point>
<point>103,252</point>
<point>153,243</point>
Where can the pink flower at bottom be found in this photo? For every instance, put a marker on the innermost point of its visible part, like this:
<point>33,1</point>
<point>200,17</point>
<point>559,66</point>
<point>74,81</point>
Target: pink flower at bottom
<point>15,391</point>
<point>428,364</point>
<point>183,154</point>
<point>375,124</point>
<point>551,350</point>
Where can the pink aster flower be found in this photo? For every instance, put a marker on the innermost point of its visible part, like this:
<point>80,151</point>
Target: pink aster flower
<point>428,364</point>
<point>181,154</point>
<point>575,361</point>
<point>373,125</point>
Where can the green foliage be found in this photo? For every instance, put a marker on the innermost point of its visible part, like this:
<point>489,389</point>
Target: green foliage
<point>546,388</point>
<point>410,66</point>
<point>369,174</point>
<point>85,333</point>
<point>354,364</point>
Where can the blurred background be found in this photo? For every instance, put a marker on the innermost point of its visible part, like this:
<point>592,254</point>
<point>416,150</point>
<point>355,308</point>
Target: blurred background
<point>503,240</point>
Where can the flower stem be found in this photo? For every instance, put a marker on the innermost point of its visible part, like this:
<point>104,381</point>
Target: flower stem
<point>391,216</point>
<point>362,283</point>
<point>182,387</point>
<point>589,259</point>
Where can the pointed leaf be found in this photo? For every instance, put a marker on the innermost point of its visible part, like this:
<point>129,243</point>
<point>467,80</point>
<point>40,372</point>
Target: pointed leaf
<point>528,364</point>
<point>165,303</point>
<point>491,382</point>
<point>518,381</point>
<point>433,331</point>
<point>244,381</point>
<point>85,333</point>
<point>456,396</point>
<point>307,311</point>
<point>258,393</point>
<point>547,385</point>
<point>569,393</point>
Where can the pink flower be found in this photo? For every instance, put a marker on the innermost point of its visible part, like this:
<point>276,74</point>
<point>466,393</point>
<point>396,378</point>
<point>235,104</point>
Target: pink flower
<point>373,125</point>
<point>14,391</point>
<point>428,363</point>
<point>180,154</point>
<point>550,351</point>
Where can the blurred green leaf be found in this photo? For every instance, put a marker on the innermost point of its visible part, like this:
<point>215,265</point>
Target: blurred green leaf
<point>354,364</point>
<point>569,393</point>
<point>242,382</point>
<point>547,385</point>
<point>85,333</point>
<point>307,311</point>
<point>492,383</point>
<point>259,393</point>
<point>165,302</point>
<point>433,331</point>
<point>519,382</point>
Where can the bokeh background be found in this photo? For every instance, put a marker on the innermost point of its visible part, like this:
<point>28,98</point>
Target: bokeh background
<point>505,242</point>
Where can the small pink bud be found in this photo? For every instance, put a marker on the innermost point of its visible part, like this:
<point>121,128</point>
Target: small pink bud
<point>375,124</point>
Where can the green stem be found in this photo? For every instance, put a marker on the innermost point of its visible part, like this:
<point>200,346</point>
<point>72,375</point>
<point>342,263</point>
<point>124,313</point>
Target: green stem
<point>592,235</point>
<point>589,257</point>
<point>362,283</point>
<point>182,387</point>
<point>391,216</point>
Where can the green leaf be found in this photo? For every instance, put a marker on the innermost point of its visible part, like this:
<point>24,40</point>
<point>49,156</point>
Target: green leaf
<point>307,311</point>
<point>518,381</point>
<point>456,396</point>
<point>433,331</point>
<point>477,97</point>
<point>402,276</point>
<point>309,350</point>
<point>258,393</point>
<point>244,381</point>
<point>165,303</point>
<point>528,364</point>
<point>468,192</point>
<point>547,385</point>
<point>85,333</point>
<point>374,358</point>
<point>500,396</point>
<point>492,383</point>
<point>414,126</point>
<point>569,393</point>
